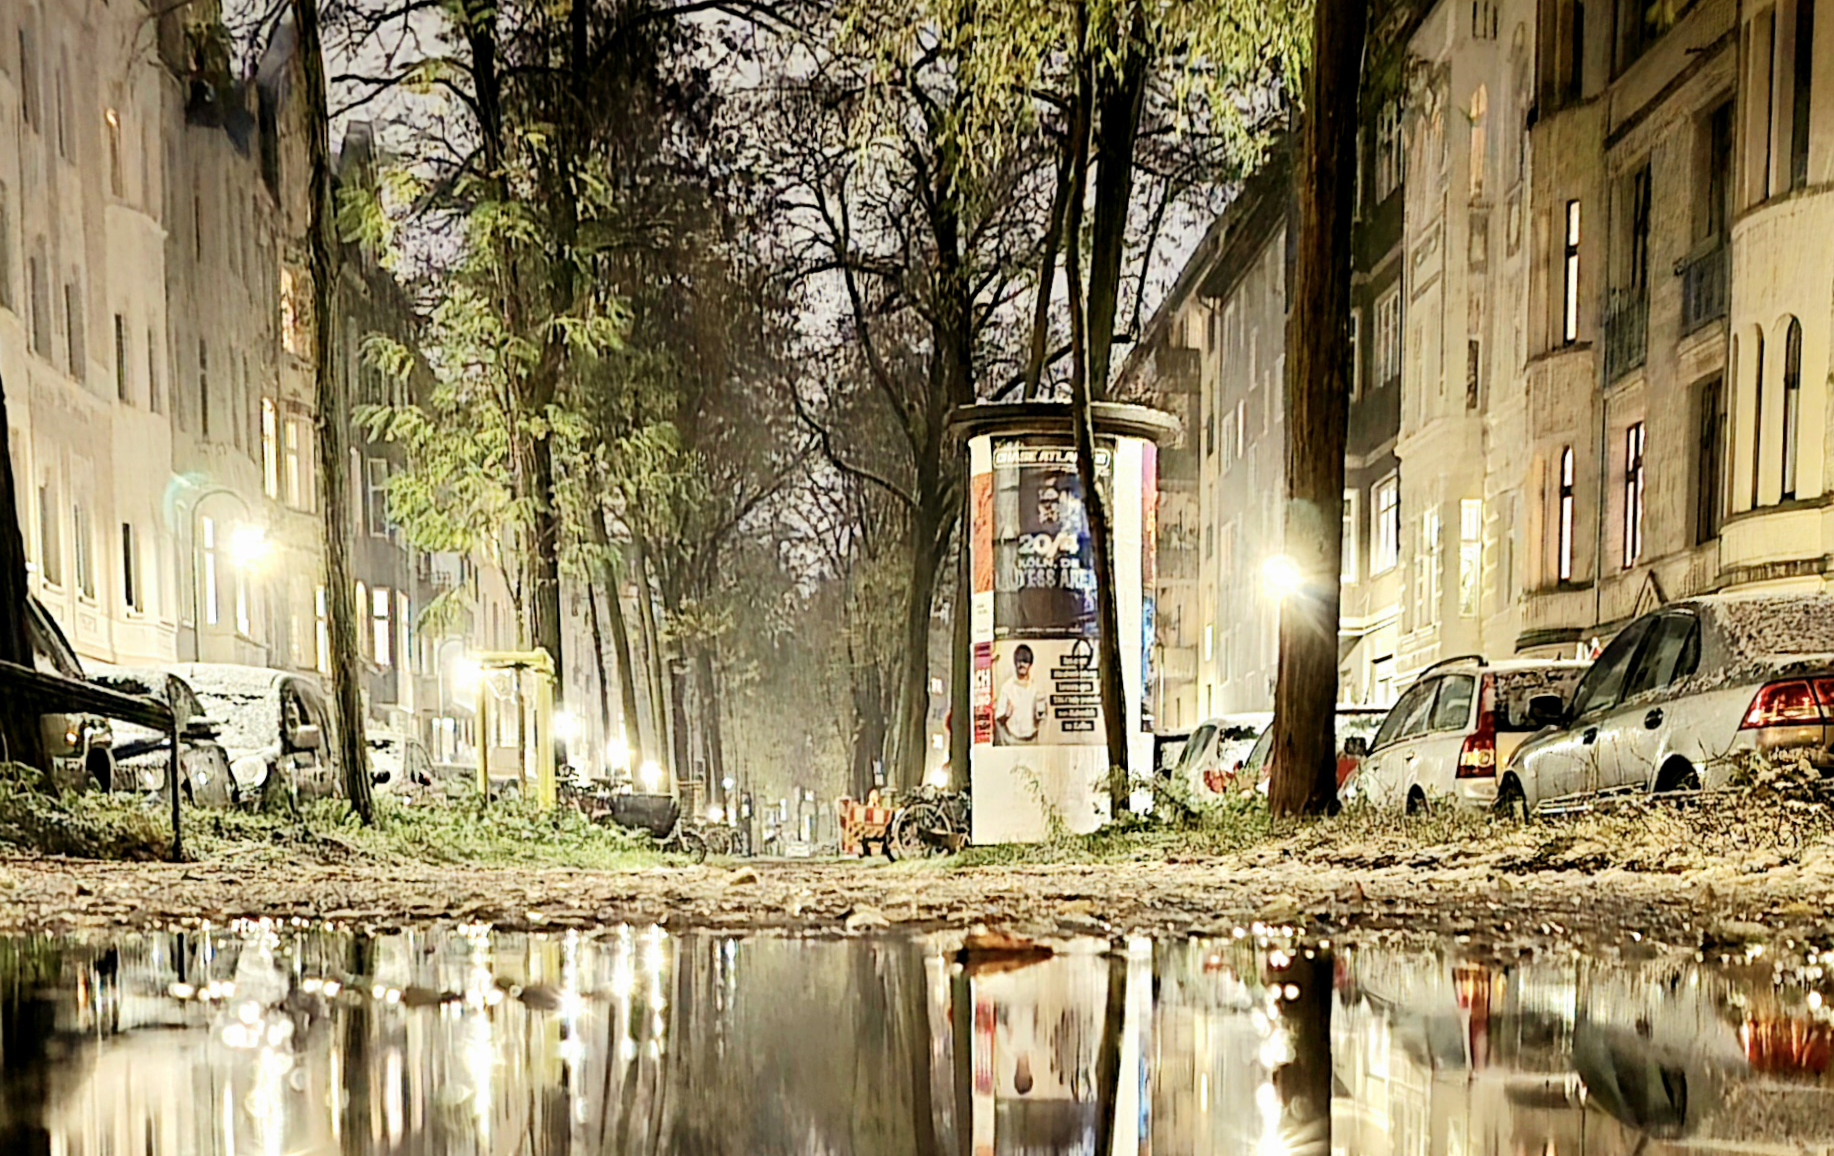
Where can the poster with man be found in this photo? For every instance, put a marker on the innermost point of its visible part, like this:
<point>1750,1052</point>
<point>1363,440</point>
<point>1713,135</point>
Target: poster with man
<point>1044,557</point>
<point>1045,693</point>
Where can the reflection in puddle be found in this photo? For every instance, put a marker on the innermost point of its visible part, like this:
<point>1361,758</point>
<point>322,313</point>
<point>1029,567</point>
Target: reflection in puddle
<point>271,1040</point>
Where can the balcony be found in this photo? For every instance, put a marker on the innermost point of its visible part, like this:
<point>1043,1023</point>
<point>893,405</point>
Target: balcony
<point>1626,332</point>
<point>1705,288</point>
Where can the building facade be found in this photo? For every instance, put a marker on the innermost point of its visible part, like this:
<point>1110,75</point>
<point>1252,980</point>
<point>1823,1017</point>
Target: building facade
<point>1592,339</point>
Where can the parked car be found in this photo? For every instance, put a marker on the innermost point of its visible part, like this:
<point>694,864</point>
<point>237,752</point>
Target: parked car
<point>398,762</point>
<point>1681,695</point>
<point>1355,725</point>
<point>80,746</point>
<point>1451,730</point>
<point>141,755</point>
<point>274,725</point>
<point>1217,749</point>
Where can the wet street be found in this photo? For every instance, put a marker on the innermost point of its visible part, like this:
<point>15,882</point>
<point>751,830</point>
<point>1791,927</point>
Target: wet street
<point>283,1039</point>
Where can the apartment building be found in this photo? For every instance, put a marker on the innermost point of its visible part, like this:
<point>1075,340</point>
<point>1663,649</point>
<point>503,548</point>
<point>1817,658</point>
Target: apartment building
<point>83,319</point>
<point>1374,541</point>
<point>1777,527</point>
<point>1463,407</point>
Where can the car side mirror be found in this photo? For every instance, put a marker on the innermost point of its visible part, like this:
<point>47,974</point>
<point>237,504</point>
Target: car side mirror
<point>308,737</point>
<point>1357,747</point>
<point>1547,710</point>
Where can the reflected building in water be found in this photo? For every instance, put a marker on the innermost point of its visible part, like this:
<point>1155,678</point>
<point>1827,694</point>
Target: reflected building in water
<point>262,1039</point>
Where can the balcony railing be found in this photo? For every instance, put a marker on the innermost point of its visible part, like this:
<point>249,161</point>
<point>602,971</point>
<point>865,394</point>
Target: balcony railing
<point>1626,332</point>
<point>1704,288</point>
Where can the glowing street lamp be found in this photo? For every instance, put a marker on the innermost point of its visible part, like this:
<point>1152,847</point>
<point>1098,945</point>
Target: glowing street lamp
<point>249,546</point>
<point>467,676</point>
<point>566,725</point>
<point>1283,577</point>
<point>617,755</point>
<point>651,775</point>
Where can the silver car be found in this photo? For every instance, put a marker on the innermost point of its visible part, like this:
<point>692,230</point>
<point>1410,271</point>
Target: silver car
<point>1681,697</point>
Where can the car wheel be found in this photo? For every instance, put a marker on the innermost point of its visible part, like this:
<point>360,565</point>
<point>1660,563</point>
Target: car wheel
<point>1511,803</point>
<point>100,767</point>
<point>1416,802</point>
<point>1677,775</point>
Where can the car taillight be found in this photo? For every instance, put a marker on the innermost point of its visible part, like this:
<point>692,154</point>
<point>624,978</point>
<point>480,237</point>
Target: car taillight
<point>1477,758</point>
<point>1798,702</point>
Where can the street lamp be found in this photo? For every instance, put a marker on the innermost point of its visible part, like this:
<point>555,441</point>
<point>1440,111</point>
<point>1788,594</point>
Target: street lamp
<point>1283,576</point>
<point>651,775</point>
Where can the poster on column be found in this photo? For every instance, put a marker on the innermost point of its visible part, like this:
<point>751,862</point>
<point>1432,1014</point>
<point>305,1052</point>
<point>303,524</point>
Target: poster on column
<point>1044,556</point>
<point>1045,693</point>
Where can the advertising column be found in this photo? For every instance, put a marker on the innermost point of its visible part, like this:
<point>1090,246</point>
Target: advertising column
<point>1040,757</point>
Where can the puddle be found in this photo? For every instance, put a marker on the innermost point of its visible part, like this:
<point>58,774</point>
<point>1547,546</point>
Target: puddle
<point>276,1040</point>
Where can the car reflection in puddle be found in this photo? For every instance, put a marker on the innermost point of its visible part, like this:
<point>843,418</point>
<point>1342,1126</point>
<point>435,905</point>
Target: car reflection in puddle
<point>274,1038</point>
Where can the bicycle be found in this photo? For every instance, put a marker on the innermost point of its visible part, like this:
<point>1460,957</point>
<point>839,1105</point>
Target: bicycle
<point>935,823</point>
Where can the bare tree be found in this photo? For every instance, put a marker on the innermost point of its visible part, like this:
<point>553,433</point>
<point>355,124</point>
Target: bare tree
<point>334,420</point>
<point>1317,415</point>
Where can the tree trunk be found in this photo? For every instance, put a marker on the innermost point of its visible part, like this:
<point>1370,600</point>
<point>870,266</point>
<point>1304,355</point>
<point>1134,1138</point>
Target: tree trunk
<point>1047,277</point>
<point>333,427</point>
<point>869,726</point>
<point>907,749</point>
<point>21,737</point>
<point>660,714</point>
<point>1304,1082</point>
<point>708,674</point>
<point>598,658</point>
<point>1108,660</point>
<point>1108,1051</point>
<point>545,566</point>
<point>620,637</point>
<point>1120,96</point>
<point>961,671</point>
<point>1304,747</point>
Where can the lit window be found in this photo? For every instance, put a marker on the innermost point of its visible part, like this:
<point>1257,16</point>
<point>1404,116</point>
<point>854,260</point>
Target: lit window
<point>1470,556</point>
<point>381,606</point>
<point>208,527</point>
<point>1348,570</point>
<point>1385,549</point>
<point>1569,329</point>
<point>1634,441</point>
<point>362,608</point>
<point>296,490</point>
<point>50,540</point>
<point>1565,570</point>
<point>270,448</point>
<point>1792,406</point>
<point>324,630</point>
<point>1387,351</point>
<point>85,551</point>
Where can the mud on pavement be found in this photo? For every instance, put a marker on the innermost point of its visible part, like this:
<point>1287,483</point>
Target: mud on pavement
<point>1432,895</point>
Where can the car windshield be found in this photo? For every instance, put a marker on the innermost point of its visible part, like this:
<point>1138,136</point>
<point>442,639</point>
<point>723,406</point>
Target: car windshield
<point>1356,724</point>
<point>1194,747</point>
<point>248,722</point>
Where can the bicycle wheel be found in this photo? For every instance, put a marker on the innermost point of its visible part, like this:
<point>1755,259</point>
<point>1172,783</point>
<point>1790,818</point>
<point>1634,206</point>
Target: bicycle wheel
<point>693,845</point>
<point>911,835</point>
